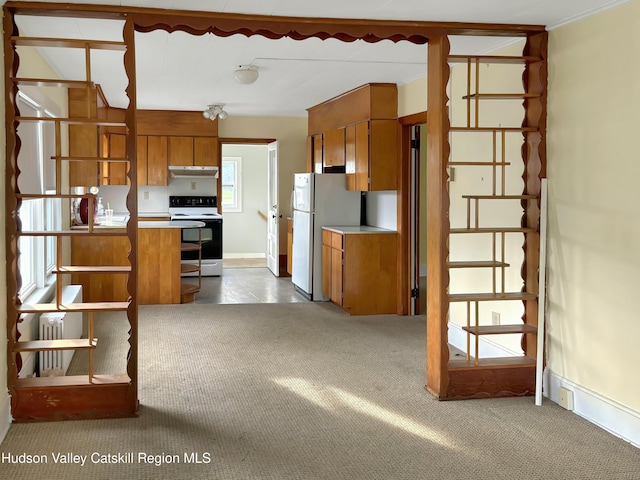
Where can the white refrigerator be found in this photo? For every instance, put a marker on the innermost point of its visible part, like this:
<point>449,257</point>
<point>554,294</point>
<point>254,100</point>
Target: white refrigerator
<point>317,200</point>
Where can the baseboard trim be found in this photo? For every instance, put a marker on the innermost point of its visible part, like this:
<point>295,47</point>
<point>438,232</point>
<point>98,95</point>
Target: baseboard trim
<point>608,414</point>
<point>488,348</point>
<point>5,416</point>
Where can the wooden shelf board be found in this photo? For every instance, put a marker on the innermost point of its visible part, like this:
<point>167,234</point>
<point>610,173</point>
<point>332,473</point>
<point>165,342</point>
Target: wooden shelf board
<point>93,269</point>
<point>493,230</point>
<point>63,344</point>
<point>500,329</point>
<point>500,96</point>
<point>189,247</point>
<point>501,197</point>
<point>71,380</point>
<point>46,82</point>
<point>72,307</point>
<point>514,60</point>
<point>186,289</point>
<point>80,231</point>
<point>68,43</point>
<point>91,159</point>
<point>189,268</point>
<point>490,164</point>
<point>499,362</point>
<point>489,297</point>
<point>55,195</point>
<point>493,129</point>
<point>73,121</point>
<point>477,264</point>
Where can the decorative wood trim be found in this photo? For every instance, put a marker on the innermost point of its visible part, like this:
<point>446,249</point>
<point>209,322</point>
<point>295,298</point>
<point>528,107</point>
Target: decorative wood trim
<point>438,149</point>
<point>298,28</point>
<point>132,206</point>
<point>534,148</point>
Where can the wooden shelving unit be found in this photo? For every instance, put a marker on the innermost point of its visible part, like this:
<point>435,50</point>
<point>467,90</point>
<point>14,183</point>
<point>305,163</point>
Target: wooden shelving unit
<point>89,396</point>
<point>188,290</point>
<point>478,376</point>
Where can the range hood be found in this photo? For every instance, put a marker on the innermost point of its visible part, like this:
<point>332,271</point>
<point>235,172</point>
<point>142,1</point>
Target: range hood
<point>176,171</point>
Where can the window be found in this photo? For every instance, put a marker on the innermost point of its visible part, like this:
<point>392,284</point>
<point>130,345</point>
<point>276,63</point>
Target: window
<point>37,255</point>
<point>231,184</point>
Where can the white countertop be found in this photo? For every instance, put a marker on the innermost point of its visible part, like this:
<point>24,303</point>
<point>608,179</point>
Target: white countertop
<point>173,224</point>
<point>153,214</point>
<point>357,229</point>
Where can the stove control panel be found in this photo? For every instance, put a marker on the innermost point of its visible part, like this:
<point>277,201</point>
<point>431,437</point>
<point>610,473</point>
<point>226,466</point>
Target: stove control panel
<point>193,201</point>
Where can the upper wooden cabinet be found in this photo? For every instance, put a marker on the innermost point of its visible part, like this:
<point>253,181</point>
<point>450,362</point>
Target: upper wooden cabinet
<point>180,151</point>
<point>360,132</point>
<point>115,173</point>
<point>334,148</point>
<point>83,139</point>
<point>156,161</point>
<point>205,151</point>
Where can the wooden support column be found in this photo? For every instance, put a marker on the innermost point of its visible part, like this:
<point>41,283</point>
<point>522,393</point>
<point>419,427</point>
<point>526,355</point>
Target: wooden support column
<point>437,216</point>
<point>535,168</point>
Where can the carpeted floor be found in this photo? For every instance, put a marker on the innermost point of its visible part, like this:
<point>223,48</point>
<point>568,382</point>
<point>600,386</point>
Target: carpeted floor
<point>303,391</point>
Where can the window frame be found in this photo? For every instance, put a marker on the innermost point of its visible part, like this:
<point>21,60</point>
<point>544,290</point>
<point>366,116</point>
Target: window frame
<point>236,186</point>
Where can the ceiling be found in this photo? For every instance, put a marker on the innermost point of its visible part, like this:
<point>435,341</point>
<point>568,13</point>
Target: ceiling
<point>179,71</point>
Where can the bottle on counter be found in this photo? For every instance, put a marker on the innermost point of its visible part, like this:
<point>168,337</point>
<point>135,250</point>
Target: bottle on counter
<point>100,209</point>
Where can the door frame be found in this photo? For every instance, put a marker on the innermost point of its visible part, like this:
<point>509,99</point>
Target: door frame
<point>238,141</point>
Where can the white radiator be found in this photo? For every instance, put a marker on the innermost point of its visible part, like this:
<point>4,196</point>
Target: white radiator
<point>59,325</point>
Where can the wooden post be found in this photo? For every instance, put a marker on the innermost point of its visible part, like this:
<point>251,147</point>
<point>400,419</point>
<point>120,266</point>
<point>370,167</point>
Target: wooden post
<point>437,217</point>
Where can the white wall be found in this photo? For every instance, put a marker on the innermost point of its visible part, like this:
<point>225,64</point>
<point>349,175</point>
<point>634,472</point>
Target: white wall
<point>291,133</point>
<point>244,233</point>
<point>594,225</point>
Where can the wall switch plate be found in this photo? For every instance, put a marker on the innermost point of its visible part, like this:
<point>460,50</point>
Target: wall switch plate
<point>145,195</point>
<point>565,398</point>
<point>193,185</point>
<point>495,318</point>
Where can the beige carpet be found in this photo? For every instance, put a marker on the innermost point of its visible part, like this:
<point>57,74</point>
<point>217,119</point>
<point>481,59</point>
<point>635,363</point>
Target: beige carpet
<point>303,391</point>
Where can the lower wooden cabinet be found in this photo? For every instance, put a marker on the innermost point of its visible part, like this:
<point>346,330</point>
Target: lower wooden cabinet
<point>359,269</point>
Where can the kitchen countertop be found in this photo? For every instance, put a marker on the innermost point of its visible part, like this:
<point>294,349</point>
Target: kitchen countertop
<point>146,224</point>
<point>153,214</point>
<point>357,229</point>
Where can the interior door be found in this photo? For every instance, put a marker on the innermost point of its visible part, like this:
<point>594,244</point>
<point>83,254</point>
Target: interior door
<point>273,224</point>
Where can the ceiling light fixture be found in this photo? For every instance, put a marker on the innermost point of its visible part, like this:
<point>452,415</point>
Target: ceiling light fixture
<point>214,111</point>
<point>246,74</point>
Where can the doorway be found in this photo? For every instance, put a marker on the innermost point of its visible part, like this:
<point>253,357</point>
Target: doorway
<point>418,219</point>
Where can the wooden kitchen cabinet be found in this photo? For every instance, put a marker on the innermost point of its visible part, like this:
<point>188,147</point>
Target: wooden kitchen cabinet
<point>114,173</point>
<point>334,149</point>
<point>157,161</point>
<point>371,153</point>
<point>180,151</point>
<point>83,139</point>
<point>318,155</point>
<point>289,245</point>
<point>205,151</point>
<point>359,269</point>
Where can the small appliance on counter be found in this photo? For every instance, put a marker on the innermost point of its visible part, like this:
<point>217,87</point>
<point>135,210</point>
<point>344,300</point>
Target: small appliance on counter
<point>203,209</point>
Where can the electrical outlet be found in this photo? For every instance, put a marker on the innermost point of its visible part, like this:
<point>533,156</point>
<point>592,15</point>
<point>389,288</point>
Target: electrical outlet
<point>145,195</point>
<point>565,398</point>
<point>495,318</point>
<point>193,185</point>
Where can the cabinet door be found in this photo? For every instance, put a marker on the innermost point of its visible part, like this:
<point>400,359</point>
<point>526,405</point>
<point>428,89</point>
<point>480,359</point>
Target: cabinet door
<point>336,276</point>
<point>317,153</point>
<point>205,151</point>
<point>383,157</point>
<point>157,168</point>
<point>117,149</point>
<point>326,271</point>
<point>362,157</point>
<point>141,159</point>
<point>309,154</point>
<point>350,156</point>
<point>180,151</point>
<point>334,154</point>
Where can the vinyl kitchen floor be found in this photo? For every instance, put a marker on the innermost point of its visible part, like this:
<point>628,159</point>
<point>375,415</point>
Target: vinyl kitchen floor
<point>248,285</point>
